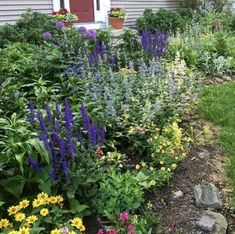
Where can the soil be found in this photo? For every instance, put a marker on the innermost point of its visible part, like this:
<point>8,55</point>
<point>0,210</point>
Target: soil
<point>180,215</point>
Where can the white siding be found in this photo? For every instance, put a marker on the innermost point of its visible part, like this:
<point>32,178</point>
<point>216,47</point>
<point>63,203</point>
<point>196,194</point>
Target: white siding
<point>10,10</point>
<point>135,8</point>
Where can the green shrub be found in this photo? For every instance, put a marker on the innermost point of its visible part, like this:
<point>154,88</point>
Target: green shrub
<point>28,29</point>
<point>165,20</point>
<point>118,192</point>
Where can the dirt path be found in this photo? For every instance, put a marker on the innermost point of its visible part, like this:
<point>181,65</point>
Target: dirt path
<point>180,215</point>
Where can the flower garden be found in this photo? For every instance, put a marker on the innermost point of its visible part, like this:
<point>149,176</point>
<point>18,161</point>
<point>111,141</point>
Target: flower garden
<point>89,127</point>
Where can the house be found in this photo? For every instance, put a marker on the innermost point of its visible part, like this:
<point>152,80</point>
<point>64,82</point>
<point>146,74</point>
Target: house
<point>92,13</point>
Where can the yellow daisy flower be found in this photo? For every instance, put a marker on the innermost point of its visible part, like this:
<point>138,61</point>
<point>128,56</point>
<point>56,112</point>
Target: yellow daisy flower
<point>53,200</point>
<point>161,162</point>
<point>76,222</point>
<point>37,203</point>
<point>23,230</point>
<point>4,223</point>
<point>55,231</point>
<point>72,232</point>
<point>31,219</point>
<point>13,210</point>
<point>173,165</point>
<point>19,217</point>
<point>151,168</point>
<point>42,196</point>
<point>137,167</point>
<point>59,199</point>
<point>163,168</point>
<point>44,212</point>
<point>82,228</point>
<point>152,182</point>
<point>24,203</point>
<point>13,232</point>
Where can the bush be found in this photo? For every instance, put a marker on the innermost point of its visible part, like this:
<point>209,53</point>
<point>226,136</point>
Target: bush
<point>28,29</point>
<point>165,20</point>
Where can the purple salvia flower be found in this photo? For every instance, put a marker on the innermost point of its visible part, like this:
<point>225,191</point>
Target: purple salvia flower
<point>82,29</point>
<point>71,148</point>
<point>52,174</point>
<point>49,115</point>
<point>59,25</point>
<point>31,113</point>
<point>34,164</point>
<point>93,133</point>
<point>57,127</point>
<point>79,135</point>
<point>67,117</point>
<point>47,36</point>
<point>42,123</point>
<point>44,139</point>
<point>85,118</point>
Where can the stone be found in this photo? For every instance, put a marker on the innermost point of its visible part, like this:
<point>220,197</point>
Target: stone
<point>227,78</point>
<point>206,223</point>
<point>219,80</point>
<point>203,154</point>
<point>207,196</point>
<point>221,223</point>
<point>178,194</point>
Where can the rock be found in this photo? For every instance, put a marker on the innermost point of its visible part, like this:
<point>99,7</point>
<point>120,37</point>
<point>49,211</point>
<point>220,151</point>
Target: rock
<point>221,224</point>
<point>207,196</point>
<point>227,78</point>
<point>219,80</point>
<point>178,194</point>
<point>206,223</point>
<point>203,154</point>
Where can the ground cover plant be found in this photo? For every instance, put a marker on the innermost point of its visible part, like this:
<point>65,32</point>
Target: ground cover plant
<point>217,105</point>
<point>97,124</point>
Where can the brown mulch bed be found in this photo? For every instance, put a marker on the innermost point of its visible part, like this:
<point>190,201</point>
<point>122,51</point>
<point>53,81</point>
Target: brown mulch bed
<point>180,215</point>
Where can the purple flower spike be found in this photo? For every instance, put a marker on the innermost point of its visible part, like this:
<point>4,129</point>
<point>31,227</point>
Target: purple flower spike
<point>47,36</point>
<point>82,29</point>
<point>49,115</point>
<point>42,123</point>
<point>52,174</point>
<point>34,164</point>
<point>59,25</point>
<point>91,34</point>
<point>102,135</point>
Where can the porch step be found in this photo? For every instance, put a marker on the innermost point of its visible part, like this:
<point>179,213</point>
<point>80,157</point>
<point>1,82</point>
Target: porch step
<point>96,25</point>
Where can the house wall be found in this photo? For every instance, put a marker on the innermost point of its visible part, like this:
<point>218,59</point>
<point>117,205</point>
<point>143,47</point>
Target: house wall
<point>10,10</point>
<point>135,8</point>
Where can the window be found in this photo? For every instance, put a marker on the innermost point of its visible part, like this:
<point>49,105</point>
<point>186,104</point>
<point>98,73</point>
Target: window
<point>98,5</point>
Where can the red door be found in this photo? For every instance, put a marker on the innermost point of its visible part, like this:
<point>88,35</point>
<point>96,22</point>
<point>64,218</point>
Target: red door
<point>84,9</point>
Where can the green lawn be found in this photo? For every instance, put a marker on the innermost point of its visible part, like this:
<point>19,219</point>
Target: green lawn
<point>217,104</point>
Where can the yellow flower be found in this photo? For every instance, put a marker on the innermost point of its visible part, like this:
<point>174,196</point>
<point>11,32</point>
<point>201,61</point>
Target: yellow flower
<point>152,182</point>
<point>13,232</point>
<point>31,219</point>
<point>82,228</point>
<point>173,165</point>
<point>137,167</point>
<point>13,210</point>
<point>23,230</point>
<point>19,217</point>
<point>161,162</point>
<point>55,231</point>
<point>44,212</point>
<point>4,223</point>
<point>143,164</point>
<point>72,232</point>
<point>53,200</point>
<point>151,168</point>
<point>59,199</point>
<point>37,203</point>
<point>163,168</point>
<point>24,203</point>
<point>42,196</point>
<point>168,169</point>
<point>77,223</point>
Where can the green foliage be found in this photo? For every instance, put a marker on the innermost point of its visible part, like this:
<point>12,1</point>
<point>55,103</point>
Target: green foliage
<point>217,105</point>
<point>118,192</point>
<point>165,20</point>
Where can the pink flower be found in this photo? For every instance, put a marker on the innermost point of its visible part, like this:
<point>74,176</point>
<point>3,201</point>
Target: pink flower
<point>112,231</point>
<point>131,232</point>
<point>130,227</point>
<point>101,231</point>
<point>123,216</point>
